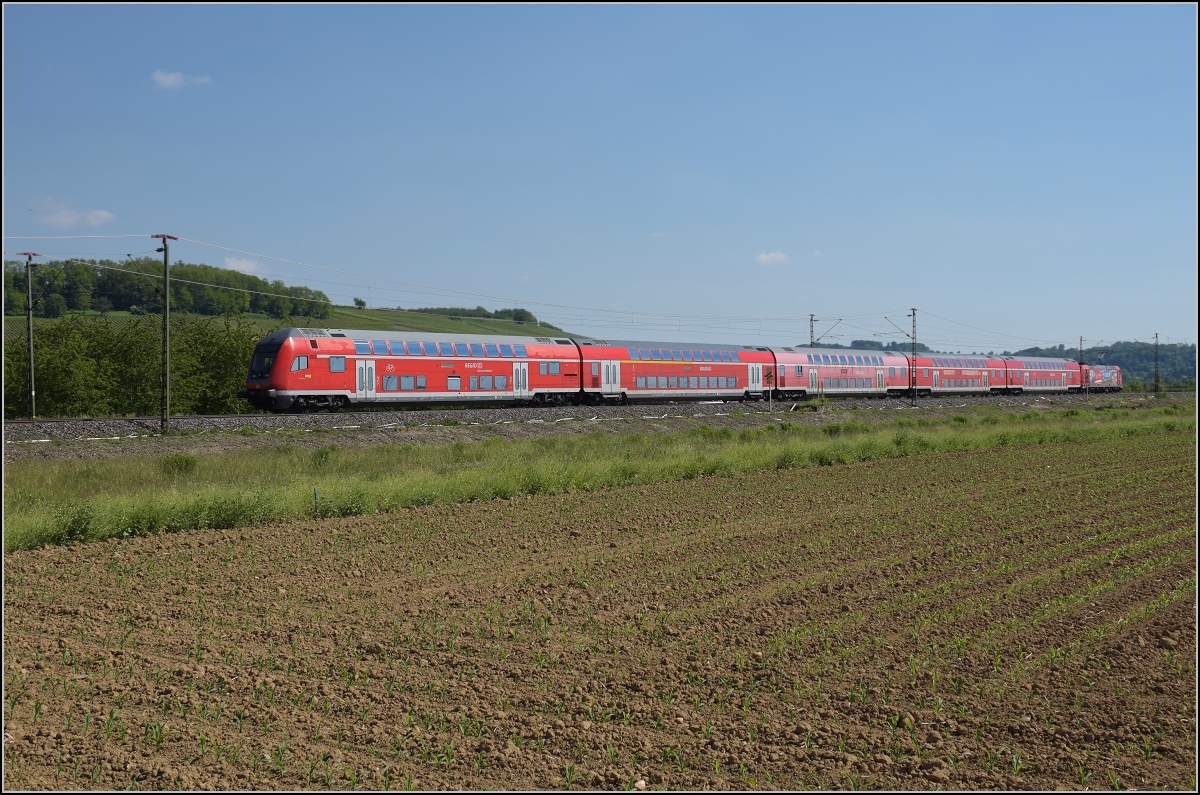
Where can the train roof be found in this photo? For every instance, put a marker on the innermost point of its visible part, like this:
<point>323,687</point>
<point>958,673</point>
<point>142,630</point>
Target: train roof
<point>423,336</point>
<point>802,349</point>
<point>591,342</point>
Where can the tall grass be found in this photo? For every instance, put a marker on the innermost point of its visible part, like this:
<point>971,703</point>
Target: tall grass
<point>66,501</point>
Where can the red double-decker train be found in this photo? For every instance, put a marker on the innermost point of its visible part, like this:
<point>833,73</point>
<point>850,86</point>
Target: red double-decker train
<point>298,369</point>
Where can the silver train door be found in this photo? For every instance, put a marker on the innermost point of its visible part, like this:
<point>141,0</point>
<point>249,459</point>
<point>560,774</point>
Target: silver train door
<point>755,378</point>
<point>521,379</point>
<point>985,381</point>
<point>612,378</point>
<point>879,380</point>
<point>813,383</point>
<point>937,379</point>
<point>365,379</point>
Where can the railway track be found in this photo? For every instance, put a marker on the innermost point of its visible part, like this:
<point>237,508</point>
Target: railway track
<point>102,428</point>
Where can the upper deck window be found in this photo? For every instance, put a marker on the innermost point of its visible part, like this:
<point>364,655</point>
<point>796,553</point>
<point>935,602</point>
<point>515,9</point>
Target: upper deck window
<point>460,349</point>
<point>362,347</point>
<point>446,348</point>
<point>431,349</point>
<point>506,351</point>
<point>687,356</point>
<point>519,350</point>
<point>491,349</point>
<point>477,349</point>
<point>656,354</point>
<point>633,354</point>
<point>380,347</point>
<point>414,348</point>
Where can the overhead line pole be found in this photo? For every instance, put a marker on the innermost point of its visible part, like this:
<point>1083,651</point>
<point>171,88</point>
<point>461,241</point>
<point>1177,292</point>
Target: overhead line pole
<point>912,362</point>
<point>29,255</point>
<point>1085,380</point>
<point>812,343</point>
<point>166,332</point>
<point>1156,382</point>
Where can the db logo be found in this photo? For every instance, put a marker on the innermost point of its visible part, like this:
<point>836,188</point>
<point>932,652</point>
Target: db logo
<point>391,367</point>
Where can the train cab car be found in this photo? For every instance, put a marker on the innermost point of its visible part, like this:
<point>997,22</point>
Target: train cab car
<point>1101,378</point>
<point>309,369</point>
<point>843,371</point>
<point>644,370</point>
<point>1040,374</point>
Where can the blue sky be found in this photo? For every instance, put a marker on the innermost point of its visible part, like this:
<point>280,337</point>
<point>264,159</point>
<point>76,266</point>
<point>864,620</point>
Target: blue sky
<point>700,173</point>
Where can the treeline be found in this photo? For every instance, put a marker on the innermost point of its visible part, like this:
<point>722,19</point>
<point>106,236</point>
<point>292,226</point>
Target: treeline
<point>135,286</point>
<point>96,366</point>
<point>876,345</point>
<point>516,315</point>
<point>1176,362</point>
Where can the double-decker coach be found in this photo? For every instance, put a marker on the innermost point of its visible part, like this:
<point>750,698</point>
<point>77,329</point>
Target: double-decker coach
<point>302,368</point>
<point>803,372</point>
<point>644,370</point>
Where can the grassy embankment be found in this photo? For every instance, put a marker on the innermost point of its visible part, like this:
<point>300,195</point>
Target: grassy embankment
<point>65,501</point>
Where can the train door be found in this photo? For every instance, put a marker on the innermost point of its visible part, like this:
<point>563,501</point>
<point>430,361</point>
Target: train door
<point>366,379</point>
<point>937,379</point>
<point>1027,379</point>
<point>612,378</point>
<point>813,382</point>
<point>985,381</point>
<point>521,379</point>
<point>1064,380</point>
<point>879,380</point>
<point>756,378</point>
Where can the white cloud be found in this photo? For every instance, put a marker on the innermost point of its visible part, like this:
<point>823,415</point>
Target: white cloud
<point>61,215</point>
<point>771,258</point>
<point>173,80</point>
<point>817,253</point>
<point>243,265</point>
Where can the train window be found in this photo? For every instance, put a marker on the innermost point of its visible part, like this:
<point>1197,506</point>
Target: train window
<point>460,349</point>
<point>519,350</point>
<point>656,354</point>
<point>406,382</point>
<point>687,356</point>
<point>446,348</point>
<point>904,372</point>
<point>640,382</point>
<point>827,383</point>
<point>672,356</point>
<point>541,368</point>
<point>420,382</point>
<point>453,383</point>
<point>491,349</point>
<point>380,347</point>
<point>473,382</point>
<point>337,364</point>
<point>891,372</point>
<point>645,354</point>
<point>396,348</point>
<point>431,349</point>
<point>693,382</point>
<point>633,354</point>
<point>661,382</point>
<point>595,368</point>
<point>391,383</point>
<point>414,348</point>
<point>799,370</point>
<point>554,368</point>
<point>925,373</point>
<point>703,356</point>
<point>362,347</point>
<point>477,349</point>
<point>506,351</point>
<point>501,382</point>
<point>673,382</point>
<point>720,356</point>
<point>485,382</point>
<point>299,363</point>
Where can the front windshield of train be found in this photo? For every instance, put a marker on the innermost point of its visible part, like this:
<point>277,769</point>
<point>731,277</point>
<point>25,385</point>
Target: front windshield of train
<point>264,359</point>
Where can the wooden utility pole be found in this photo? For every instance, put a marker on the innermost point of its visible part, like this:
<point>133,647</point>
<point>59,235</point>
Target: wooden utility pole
<point>166,332</point>
<point>29,255</point>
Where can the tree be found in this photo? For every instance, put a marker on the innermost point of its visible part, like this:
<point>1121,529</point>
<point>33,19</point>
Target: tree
<point>54,305</point>
<point>360,304</point>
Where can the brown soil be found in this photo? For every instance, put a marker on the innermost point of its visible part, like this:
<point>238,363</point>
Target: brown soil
<point>953,621</point>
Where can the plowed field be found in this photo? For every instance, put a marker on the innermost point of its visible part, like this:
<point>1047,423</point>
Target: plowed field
<point>1012,618</point>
